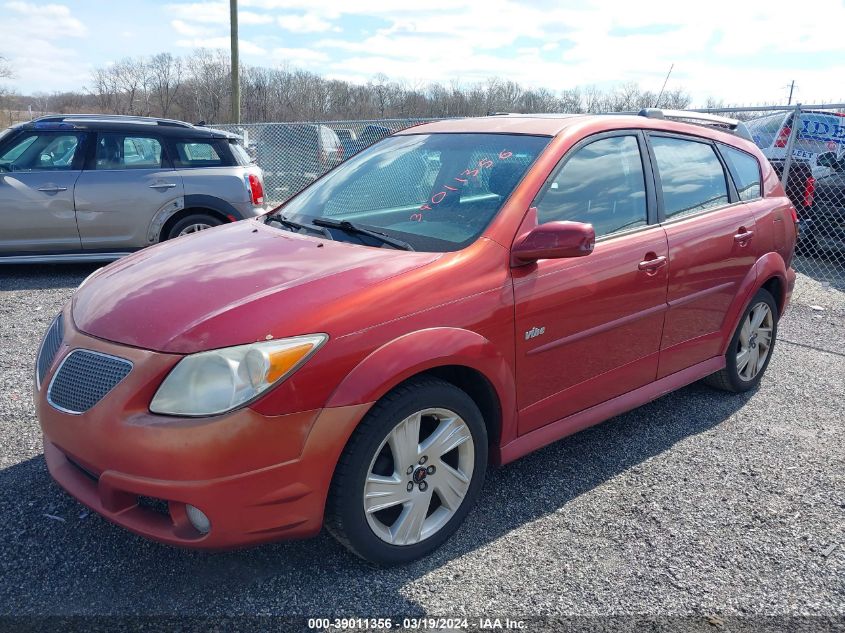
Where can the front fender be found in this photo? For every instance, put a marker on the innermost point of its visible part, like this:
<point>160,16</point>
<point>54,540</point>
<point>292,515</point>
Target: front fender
<point>423,350</point>
<point>769,265</point>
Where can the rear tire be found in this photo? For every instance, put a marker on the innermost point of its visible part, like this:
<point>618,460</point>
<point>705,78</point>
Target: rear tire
<point>409,475</point>
<point>193,224</point>
<point>751,346</point>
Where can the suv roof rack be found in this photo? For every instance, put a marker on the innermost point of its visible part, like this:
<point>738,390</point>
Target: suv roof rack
<point>699,118</point>
<point>111,118</point>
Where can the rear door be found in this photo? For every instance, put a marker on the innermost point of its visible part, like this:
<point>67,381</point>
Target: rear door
<point>38,171</point>
<point>589,328</point>
<point>712,246</point>
<point>127,181</point>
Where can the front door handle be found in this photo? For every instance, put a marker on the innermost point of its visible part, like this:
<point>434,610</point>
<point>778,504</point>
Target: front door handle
<point>51,189</point>
<point>163,185</point>
<point>651,265</point>
<point>743,237</point>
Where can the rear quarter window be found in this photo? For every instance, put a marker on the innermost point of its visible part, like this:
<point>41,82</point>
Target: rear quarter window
<point>195,153</point>
<point>745,171</point>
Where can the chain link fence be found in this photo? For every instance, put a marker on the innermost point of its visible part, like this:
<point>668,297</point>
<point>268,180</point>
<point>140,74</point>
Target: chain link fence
<point>805,145</point>
<point>293,155</point>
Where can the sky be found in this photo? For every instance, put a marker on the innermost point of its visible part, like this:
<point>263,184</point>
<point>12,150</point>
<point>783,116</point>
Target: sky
<point>739,51</point>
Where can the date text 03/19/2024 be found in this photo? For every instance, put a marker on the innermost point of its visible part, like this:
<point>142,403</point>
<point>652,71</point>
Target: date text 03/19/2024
<point>420,623</point>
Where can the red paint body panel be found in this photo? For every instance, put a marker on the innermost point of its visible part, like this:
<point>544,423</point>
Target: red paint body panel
<point>563,343</point>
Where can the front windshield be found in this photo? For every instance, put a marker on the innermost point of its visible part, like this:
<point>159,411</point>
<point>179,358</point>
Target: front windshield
<point>437,192</point>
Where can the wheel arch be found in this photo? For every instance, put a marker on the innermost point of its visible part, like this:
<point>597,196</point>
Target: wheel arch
<point>183,213</point>
<point>769,273</point>
<point>461,357</point>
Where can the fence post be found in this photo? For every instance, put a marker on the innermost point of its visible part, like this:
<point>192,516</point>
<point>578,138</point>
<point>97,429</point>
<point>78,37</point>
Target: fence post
<point>790,144</point>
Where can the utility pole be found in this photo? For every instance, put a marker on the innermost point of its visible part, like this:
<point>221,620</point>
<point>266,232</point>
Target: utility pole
<point>235,63</point>
<point>791,88</point>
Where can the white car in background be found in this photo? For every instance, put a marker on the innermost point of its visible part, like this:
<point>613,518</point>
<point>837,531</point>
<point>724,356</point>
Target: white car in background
<point>821,133</point>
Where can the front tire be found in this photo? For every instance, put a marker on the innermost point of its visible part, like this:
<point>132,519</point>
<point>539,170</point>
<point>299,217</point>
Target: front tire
<point>410,474</point>
<point>751,346</point>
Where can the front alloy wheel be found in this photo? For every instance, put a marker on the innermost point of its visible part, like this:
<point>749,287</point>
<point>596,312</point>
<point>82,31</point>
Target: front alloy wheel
<point>410,473</point>
<point>415,486</point>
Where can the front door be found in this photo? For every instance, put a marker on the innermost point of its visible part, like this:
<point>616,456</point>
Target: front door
<point>38,171</point>
<point>588,329</point>
<point>127,181</point>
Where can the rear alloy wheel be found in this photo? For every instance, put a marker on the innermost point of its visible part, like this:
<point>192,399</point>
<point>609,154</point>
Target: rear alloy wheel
<point>410,474</point>
<point>193,223</point>
<point>751,347</point>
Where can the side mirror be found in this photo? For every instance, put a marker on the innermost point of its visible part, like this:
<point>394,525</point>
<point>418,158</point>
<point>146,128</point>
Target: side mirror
<point>554,240</point>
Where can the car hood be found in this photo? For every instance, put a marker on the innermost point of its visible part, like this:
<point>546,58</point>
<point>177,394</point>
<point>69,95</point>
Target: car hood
<point>235,284</point>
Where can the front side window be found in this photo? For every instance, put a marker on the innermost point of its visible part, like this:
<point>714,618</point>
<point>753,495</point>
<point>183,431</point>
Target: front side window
<point>601,184</point>
<point>119,151</point>
<point>41,152</point>
<point>437,192</point>
<point>745,172</point>
<point>691,176</point>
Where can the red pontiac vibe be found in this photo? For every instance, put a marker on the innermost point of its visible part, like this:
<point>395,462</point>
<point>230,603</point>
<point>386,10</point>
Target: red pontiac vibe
<point>459,294</point>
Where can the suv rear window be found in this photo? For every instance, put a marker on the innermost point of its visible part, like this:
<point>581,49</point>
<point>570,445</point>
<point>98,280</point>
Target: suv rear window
<point>691,175</point>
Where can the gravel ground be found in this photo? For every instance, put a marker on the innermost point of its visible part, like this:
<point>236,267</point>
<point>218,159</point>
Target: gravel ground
<point>701,504</point>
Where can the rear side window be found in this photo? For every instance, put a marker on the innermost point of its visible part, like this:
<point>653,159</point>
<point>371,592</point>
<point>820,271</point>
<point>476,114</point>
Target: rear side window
<point>745,171</point>
<point>197,154</point>
<point>119,151</point>
<point>691,176</point>
<point>602,183</point>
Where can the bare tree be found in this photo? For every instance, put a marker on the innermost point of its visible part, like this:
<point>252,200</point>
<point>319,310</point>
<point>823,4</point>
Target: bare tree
<point>165,79</point>
<point>5,69</point>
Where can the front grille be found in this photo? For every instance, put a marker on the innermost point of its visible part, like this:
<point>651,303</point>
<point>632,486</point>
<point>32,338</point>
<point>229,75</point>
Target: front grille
<point>83,378</point>
<point>49,347</point>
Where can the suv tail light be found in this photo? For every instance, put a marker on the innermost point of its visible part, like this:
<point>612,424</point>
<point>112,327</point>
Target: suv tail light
<point>256,190</point>
<point>809,192</point>
<point>783,136</point>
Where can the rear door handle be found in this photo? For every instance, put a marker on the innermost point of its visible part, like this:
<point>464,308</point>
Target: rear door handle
<point>163,185</point>
<point>743,237</point>
<point>51,189</point>
<point>652,265</point>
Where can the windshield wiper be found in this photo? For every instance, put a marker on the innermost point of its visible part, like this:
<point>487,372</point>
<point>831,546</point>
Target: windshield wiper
<point>290,224</point>
<point>346,225</point>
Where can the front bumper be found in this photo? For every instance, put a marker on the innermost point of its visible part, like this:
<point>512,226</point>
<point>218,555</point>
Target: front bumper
<point>257,478</point>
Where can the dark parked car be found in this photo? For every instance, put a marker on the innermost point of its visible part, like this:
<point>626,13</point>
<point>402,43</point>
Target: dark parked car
<point>823,227</point>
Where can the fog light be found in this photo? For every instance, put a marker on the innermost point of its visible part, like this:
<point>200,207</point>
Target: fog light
<point>198,519</point>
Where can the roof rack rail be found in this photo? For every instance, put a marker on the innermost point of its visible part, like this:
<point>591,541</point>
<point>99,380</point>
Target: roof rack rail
<point>699,118</point>
<point>90,118</point>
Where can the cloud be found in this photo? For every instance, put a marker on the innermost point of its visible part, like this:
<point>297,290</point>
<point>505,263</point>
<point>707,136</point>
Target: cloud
<point>303,57</point>
<point>190,30</point>
<point>215,13</point>
<point>55,18</point>
<point>307,23</point>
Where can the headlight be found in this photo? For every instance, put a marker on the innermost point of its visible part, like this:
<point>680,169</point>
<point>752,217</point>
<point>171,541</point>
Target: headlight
<point>209,383</point>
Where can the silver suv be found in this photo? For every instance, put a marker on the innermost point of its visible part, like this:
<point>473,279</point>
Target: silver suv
<point>94,187</point>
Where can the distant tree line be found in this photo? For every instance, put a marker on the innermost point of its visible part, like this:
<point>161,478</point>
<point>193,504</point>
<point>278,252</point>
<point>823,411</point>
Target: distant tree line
<point>197,88</point>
